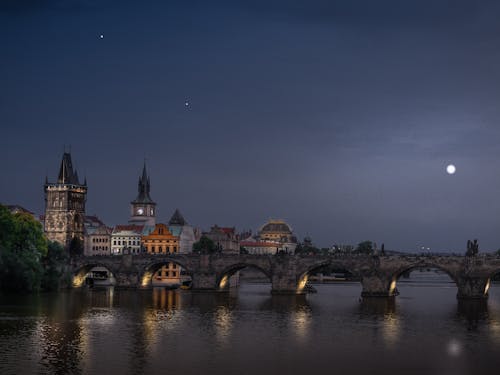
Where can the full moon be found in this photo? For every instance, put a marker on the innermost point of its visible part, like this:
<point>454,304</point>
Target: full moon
<point>450,169</point>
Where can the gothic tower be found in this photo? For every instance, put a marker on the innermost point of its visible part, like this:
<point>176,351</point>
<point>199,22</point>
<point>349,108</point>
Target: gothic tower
<point>143,209</point>
<point>65,205</point>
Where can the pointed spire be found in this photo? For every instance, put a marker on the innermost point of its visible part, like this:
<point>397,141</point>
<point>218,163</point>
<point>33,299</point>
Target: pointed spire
<point>85,180</point>
<point>144,173</point>
<point>177,219</point>
<point>66,173</point>
<point>143,188</point>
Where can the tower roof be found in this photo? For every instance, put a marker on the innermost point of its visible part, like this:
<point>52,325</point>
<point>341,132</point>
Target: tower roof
<point>177,219</point>
<point>66,173</point>
<point>143,188</point>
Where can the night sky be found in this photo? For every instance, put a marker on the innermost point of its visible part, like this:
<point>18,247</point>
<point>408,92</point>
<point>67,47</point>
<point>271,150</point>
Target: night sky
<point>338,116</point>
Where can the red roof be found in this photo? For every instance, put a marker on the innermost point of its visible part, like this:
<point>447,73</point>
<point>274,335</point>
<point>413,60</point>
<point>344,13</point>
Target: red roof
<point>128,227</point>
<point>227,230</point>
<point>258,244</point>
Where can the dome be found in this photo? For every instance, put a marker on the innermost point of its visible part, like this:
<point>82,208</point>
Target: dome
<point>276,226</point>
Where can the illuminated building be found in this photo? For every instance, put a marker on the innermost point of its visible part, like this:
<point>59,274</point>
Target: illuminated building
<point>160,242</point>
<point>126,239</point>
<point>97,238</point>
<point>65,205</point>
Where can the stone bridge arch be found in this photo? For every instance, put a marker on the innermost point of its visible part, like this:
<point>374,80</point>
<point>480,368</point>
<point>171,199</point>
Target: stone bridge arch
<point>80,270</point>
<point>148,270</point>
<point>425,263</point>
<point>305,271</point>
<point>222,277</point>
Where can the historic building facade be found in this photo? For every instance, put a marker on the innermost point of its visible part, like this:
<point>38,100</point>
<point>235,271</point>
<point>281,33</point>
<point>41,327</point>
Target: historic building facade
<point>65,205</point>
<point>161,241</point>
<point>142,208</point>
<point>126,239</point>
<point>225,238</point>
<point>273,237</point>
<point>97,240</point>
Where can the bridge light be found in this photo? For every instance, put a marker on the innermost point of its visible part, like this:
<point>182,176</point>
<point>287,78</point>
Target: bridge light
<point>392,287</point>
<point>487,287</point>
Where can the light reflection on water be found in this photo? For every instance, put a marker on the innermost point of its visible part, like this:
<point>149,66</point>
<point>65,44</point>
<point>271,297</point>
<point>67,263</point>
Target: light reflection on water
<point>249,331</point>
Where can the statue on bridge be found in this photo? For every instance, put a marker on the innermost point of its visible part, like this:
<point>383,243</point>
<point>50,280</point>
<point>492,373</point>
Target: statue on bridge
<point>472,248</point>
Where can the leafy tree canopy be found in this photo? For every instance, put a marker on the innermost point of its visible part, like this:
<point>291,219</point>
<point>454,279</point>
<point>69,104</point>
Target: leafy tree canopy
<point>205,245</point>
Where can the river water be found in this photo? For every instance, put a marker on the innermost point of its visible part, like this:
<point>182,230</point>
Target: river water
<point>425,330</point>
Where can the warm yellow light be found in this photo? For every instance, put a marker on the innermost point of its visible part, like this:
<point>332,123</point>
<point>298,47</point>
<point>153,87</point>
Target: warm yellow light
<point>487,287</point>
<point>223,282</point>
<point>146,279</point>
<point>392,287</point>
<point>302,283</point>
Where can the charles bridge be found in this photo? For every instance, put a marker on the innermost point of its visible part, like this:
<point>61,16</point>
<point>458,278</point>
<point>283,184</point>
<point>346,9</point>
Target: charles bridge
<point>288,273</point>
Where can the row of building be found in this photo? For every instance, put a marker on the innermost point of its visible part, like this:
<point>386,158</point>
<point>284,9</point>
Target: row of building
<point>65,220</point>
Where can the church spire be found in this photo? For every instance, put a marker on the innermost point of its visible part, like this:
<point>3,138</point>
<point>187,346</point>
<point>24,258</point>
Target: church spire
<point>143,188</point>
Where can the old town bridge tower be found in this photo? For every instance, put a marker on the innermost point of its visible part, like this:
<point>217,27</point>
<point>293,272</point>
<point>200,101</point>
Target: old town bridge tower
<point>65,205</point>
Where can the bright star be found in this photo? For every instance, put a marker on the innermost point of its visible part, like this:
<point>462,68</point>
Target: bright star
<point>451,169</point>
<point>101,36</point>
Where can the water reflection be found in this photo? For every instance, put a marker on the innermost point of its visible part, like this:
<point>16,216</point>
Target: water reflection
<point>382,311</point>
<point>131,332</point>
<point>472,312</point>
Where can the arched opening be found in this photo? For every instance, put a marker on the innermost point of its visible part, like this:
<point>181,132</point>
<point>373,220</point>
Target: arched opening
<point>422,278</point>
<point>92,275</point>
<point>245,277</point>
<point>169,274</point>
<point>322,277</point>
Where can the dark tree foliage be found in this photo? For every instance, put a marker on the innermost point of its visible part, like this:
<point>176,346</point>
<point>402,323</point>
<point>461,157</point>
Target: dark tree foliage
<point>27,262</point>
<point>53,264</point>
<point>365,247</point>
<point>306,249</point>
<point>22,245</point>
<point>205,245</point>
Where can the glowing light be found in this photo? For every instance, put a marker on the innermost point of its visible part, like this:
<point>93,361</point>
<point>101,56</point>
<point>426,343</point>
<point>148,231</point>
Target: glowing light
<point>487,287</point>
<point>223,282</point>
<point>451,169</point>
<point>302,283</point>
<point>454,348</point>
<point>101,36</point>
<point>186,103</point>
<point>392,287</point>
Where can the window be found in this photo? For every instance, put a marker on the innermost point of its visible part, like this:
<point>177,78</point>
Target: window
<point>175,249</point>
<point>153,249</point>
<point>160,249</point>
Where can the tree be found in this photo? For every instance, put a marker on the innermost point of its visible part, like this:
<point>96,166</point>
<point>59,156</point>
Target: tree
<point>204,245</point>
<point>365,247</point>
<point>22,245</point>
<point>53,264</point>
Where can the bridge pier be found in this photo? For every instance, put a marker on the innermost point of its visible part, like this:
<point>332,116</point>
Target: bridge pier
<point>473,287</point>
<point>377,286</point>
<point>286,284</point>
<point>204,282</point>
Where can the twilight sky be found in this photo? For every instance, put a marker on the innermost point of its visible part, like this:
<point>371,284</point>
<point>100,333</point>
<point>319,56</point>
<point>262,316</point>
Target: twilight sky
<point>339,116</point>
